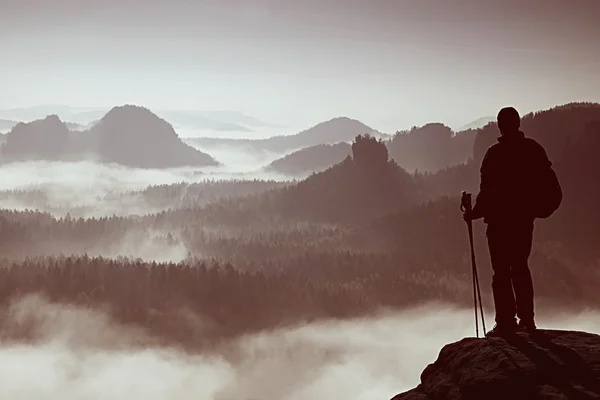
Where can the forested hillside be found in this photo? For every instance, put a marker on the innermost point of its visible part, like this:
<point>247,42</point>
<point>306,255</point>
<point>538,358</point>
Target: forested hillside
<point>360,235</point>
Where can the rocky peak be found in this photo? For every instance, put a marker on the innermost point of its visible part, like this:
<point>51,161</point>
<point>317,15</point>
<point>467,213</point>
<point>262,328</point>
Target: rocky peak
<point>545,365</point>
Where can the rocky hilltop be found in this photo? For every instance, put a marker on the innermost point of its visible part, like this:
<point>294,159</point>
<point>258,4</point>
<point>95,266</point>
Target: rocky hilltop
<point>545,365</point>
<point>134,136</point>
<point>129,135</point>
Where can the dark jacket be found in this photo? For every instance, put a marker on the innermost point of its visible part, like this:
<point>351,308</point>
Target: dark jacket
<point>509,172</point>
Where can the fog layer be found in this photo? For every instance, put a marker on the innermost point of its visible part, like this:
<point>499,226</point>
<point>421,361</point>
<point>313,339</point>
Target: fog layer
<point>88,188</point>
<point>80,353</point>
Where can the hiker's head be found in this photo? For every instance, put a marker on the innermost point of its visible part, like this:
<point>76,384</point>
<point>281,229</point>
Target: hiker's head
<point>509,120</point>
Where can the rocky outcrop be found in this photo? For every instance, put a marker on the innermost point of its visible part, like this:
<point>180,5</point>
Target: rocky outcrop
<point>545,365</point>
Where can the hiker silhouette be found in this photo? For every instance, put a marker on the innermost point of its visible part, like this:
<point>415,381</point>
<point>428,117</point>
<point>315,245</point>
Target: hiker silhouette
<point>517,186</point>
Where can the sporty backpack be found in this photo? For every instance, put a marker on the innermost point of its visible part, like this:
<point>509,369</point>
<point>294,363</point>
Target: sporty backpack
<point>549,194</point>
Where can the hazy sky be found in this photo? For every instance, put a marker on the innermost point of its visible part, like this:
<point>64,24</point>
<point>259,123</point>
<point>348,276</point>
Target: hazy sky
<point>390,63</point>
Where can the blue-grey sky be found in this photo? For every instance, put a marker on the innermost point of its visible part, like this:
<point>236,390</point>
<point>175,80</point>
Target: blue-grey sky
<point>390,63</point>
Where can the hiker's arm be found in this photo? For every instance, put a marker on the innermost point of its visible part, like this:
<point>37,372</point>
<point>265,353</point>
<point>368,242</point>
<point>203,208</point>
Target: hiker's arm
<point>485,189</point>
<point>544,160</point>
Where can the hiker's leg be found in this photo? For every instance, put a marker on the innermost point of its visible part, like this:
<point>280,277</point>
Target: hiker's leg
<point>504,300</point>
<point>521,275</point>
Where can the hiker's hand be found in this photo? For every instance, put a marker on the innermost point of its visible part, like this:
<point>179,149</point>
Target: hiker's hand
<point>472,215</point>
<point>468,216</point>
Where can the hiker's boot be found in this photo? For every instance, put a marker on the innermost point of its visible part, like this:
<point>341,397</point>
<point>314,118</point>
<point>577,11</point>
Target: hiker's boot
<point>527,326</point>
<point>503,329</point>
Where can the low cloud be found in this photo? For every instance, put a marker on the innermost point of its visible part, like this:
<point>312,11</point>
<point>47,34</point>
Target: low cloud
<point>90,189</point>
<point>79,353</point>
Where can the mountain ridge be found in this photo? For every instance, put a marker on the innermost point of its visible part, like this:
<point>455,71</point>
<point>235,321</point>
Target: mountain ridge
<point>311,159</point>
<point>127,135</point>
<point>335,130</point>
<point>478,123</point>
<point>220,120</point>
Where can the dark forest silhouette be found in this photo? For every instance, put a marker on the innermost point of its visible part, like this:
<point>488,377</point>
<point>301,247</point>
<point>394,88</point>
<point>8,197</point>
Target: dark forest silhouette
<point>431,147</point>
<point>362,234</point>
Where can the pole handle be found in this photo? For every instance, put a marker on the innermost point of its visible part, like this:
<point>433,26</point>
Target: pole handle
<point>466,202</point>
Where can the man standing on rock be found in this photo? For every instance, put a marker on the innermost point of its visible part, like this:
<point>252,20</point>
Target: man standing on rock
<point>515,173</point>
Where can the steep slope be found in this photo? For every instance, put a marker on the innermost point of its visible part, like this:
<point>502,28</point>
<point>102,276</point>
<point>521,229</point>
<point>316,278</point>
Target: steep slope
<point>431,147</point>
<point>129,135</point>
<point>341,129</point>
<point>311,159</point>
<point>134,136</point>
<point>544,365</point>
<point>46,139</point>
<point>365,185</point>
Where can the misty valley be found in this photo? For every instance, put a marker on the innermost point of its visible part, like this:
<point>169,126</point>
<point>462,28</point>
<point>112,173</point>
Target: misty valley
<point>332,262</point>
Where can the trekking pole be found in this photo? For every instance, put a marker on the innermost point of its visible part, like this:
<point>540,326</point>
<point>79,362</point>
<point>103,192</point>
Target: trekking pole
<point>466,206</point>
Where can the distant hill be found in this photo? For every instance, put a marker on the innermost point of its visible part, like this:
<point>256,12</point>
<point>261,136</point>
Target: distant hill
<point>311,159</point>
<point>478,123</point>
<point>341,129</point>
<point>127,135</point>
<point>136,137</point>
<point>44,139</point>
<point>72,126</point>
<point>223,120</point>
<point>6,125</point>
<point>365,185</point>
<point>201,120</point>
<point>78,115</point>
<point>237,118</point>
<point>431,147</point>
